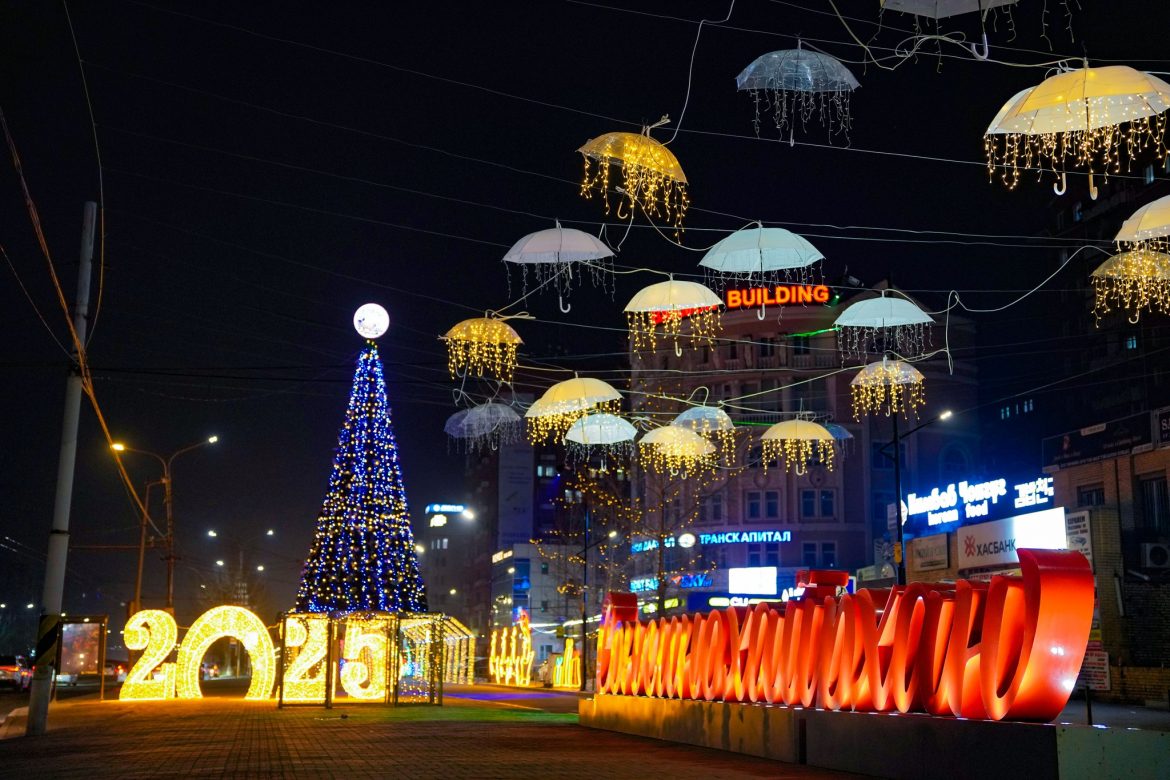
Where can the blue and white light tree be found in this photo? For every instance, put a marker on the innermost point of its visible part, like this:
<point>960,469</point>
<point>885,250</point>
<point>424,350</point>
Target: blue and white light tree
<point>362,557</point>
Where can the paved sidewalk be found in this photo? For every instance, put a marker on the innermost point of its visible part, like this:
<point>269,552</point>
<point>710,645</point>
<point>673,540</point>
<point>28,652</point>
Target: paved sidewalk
<point>221,737</point>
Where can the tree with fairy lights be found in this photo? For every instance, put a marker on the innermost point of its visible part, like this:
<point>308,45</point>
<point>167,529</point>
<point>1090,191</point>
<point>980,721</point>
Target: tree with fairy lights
<point>363,558</point>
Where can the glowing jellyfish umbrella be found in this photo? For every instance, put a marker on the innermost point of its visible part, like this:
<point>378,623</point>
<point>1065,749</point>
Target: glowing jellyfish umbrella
<point>712,424</point>
<point>599,434</point>
<point>941,9</point>
<point>887,387</point>
<point>760,253</point>
<point>1132,281</point>
<point>669,304</point>
<point>675,450</point>
<point>1148,227</point>
<point>651,175</point>
<point>1075,119</point>
<point>799,85</point>
<point>797,443</point>
<point>485,427</point>
<point>879,324</point>
<point>551,415</point>
<point>552,254</point>
<point>482,345</point>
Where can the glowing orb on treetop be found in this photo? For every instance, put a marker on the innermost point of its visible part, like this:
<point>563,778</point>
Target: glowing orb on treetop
<point>371,320</point>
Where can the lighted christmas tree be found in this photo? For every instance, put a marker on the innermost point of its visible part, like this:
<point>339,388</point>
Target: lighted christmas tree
<point>363,556</point>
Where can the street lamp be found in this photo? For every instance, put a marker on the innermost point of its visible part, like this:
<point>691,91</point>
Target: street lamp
<point>168,497</point>
<point>899,547</point>
<point>585,547</point>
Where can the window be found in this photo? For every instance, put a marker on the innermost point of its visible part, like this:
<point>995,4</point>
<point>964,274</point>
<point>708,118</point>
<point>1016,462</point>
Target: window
<point>808,503</point>
<point>767,347</point>
<point>1155,504</point>
<point>546,471</point>
<point>808,554</point>
<point>772,554</point>
<point>818,503</point>
<point>1131,341</point>
<point>544,567</point>
<point>800,345</point>
<point>544,606</point>
<point>772,504</point>
<point>755,554</point>
<point>828,503</point>
<point>705,354</point>
<point>1091,495</point>
<point>712,557</point>
<point>732,350</point>
<point>753,504</point>
<point>829,555</point>
<point>1149,174</point>
<point>711,509</point>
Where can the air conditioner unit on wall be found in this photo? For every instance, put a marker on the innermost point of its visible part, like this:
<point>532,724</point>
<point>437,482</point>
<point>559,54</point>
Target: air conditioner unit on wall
<point>1156,556</point>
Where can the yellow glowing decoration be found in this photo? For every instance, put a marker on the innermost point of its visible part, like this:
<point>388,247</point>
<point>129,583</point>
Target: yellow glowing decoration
<point>651,175</point>
<point>155,633</point>
<point>714,425</point>
<point>675,450</point>
<point>306,640</point>
<point>567,673</point>
<point>364,674</point>
<point>796,443</point>
<point>1132,281</point>
<point>887,387</point>
<point>217,623</point>
<point>510,657</point>
<point>666,306</point>
<point>482,345</point>
<point>551,415</point>
<point>1075,119</point>
<point>458,652</point>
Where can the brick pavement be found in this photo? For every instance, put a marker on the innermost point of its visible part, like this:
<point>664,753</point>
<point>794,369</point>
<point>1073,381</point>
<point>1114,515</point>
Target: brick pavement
<point>219,737</point>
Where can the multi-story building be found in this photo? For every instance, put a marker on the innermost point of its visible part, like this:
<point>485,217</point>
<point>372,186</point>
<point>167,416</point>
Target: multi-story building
<point>767,365</point>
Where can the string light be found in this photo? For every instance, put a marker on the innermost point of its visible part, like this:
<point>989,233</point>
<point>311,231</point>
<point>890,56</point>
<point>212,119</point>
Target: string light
<point>363,676</point>
<point>651,175</point>
<point>362,557</point>
<point>155,633</point>
<point>797,443</point>
<point>567,672</point>
<point>1132,281</point>
<point>667,305</point>
<point>510,656</point>
<point>671,449</point>
<point>215,624</point>
<point>888,322</point>
<point>712,424</point>
<point>306,639</point>
<point>482,345</point>
<point>887,387</point>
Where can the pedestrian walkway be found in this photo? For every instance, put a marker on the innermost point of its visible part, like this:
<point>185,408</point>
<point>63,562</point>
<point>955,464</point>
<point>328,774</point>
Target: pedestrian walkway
<point>220,737</point>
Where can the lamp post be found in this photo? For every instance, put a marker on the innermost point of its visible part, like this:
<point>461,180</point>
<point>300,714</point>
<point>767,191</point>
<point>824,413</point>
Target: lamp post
<point>168,501</point>
<point>899,548</point>
<point>585,547</point>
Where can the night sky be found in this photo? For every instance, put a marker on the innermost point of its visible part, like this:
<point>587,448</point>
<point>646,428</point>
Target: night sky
<point>268,167</point>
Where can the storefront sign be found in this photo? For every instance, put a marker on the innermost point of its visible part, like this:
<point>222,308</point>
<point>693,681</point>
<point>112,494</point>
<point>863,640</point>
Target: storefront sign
<point>752,580</point>
<point>780,295</point>
<point>995,543</point>
<point>699,580</point>
<point>1079,534</point>
<point>1095,671</point>
<point>1162,425</point>
<point>745,537</point>
<point>963,502</point>
<point>930,552</point>
<point>450,509</point>
<point>1097,442</point>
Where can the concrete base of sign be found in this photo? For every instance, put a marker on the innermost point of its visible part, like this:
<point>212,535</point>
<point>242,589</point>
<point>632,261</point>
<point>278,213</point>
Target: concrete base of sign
<point>907,747</point>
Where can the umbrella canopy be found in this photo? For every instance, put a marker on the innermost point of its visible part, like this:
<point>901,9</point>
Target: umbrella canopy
<point>673,297</point>
<point>796,69</point>
<point>600,429</point>
<point>1151,221</point>
<point>579,392</point>
<point>884,312</point>
<point>798,430</point>
<point>704,419</point>
<point>668,304</point>
<point>760,251</point>
<point>888,386</point>
<point>1132,281</point>
<point>634,150</point>
<point>454,425</point>
<point>557,245</point>
<point>485,426</point>
<point>839,432</point>
<point>942,9</point>
<point>879,324</point>
<point>795,443</point>
<point>674,449</point>
<point>651,175</point>
<point>482,344</point>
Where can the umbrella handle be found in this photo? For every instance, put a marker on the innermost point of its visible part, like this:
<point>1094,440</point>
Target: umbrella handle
<point>1092,187</point>
<point>975,50</point>
<point>565,307</point>
<point>677,349</point>
<point>761,314</point>
<point>1061,188</point>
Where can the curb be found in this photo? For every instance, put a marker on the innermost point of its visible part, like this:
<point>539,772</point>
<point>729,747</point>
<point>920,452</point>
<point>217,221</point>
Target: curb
<point>14,724</point>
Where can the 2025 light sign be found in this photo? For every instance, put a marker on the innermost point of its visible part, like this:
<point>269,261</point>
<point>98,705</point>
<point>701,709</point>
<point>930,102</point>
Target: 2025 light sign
<point>1011,648</point>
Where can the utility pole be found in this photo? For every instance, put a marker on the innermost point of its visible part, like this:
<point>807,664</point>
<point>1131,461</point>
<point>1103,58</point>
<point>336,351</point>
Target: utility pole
<point>168,496</point>
<point>48,633</point>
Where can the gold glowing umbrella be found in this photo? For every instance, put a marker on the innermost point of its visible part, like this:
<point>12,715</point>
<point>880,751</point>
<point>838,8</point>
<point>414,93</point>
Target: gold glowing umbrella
<point>796,443</point>
<point>668,304</point>
<point>1148,227</point>
<point>889,387</point>
<point>1075,119</point>
<point>482,344</point>
<point>551,415</point>
<point>674,449</point>
<point>1132,281</point>
<point>651,175</point>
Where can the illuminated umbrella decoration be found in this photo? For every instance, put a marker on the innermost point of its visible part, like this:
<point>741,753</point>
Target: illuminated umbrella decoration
<point>797,443</point>
<point>1075,118</point>
<point>1148,227</point>
<point>669,304</point>
<point>1132,281</point>
<point>879,324</point>
<point>941,9</point>
<point>841,434</point>
<point>550,416</point>
<point>485,427</point>
<point>799,85</point>
<point>760,254</point>
<point>651,175</point>
<point>606,435</point>
<point>675,450</point>
<point>887,387</point>
<point>552,254</point>
<point>482,345</point>
<point>712,424</point>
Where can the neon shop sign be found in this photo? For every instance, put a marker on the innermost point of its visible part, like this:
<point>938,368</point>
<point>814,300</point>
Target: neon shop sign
<point>699,580</point>
<point>976,500</point>
<point>780,295</point>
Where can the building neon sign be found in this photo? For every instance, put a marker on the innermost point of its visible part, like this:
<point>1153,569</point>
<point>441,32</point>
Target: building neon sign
<point>780,295</point>
<point>976,500</point>
<point>1009,648</point>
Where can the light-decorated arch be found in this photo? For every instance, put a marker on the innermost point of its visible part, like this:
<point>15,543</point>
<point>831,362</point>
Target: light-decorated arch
<point>217,623</point>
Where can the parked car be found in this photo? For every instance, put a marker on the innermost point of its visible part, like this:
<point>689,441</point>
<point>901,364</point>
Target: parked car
<point>116,671</point>
<point>15,672</point>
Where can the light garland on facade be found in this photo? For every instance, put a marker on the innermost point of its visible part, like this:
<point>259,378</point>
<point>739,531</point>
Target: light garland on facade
<point>482,345</point>
<point>651,175</point>
<point>887,387</point>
